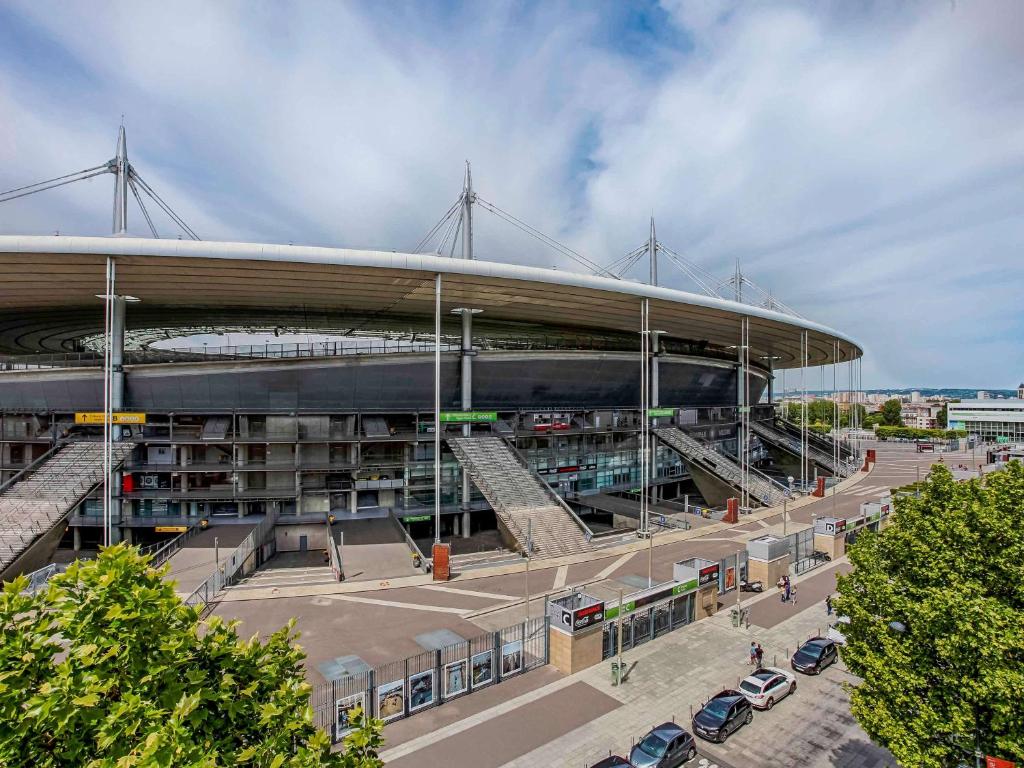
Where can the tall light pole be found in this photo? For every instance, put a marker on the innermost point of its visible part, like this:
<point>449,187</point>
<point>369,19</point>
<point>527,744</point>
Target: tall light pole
<point>437,408</point>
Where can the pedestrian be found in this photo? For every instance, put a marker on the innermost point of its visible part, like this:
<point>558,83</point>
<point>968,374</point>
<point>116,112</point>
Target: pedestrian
<point>828,605</point>
<point>792,593</point>
<point>789,588</point>
<point>782,590</point>
<point>760,654</point>
<point>753,653</point>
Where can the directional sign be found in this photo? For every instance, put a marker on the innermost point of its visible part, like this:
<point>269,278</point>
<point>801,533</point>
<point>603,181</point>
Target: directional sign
<point>115,418</point>
<point>458,416</point>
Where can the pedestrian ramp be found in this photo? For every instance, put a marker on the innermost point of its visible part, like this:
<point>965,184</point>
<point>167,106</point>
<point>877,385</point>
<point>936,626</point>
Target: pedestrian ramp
<point>522,502</point>
<point>780,438</point>
<point>35,502</point>
<point>699,454</point>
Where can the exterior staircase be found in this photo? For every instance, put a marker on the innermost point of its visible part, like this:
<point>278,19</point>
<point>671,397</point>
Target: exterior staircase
<point>761,487</point>
<point>783,439</point>
<point>521,500</point>
<point>36,501</point>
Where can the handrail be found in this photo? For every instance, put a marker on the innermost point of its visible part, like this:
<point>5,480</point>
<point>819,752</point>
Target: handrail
<point>411,543</point>
<point>162,551</point>
<point>333,554</point>
<point>31,467</point>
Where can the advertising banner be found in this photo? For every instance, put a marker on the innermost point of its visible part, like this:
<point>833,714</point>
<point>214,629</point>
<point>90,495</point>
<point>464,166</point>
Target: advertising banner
<point>482,669</point>
<point>587,617</point>
<point>421,690</point>
<point>998,762</point>
<point>456,676</point>
<point>391,700</point>
<point>511,658</point>
<point>344,711</point>
<point>707,574</point>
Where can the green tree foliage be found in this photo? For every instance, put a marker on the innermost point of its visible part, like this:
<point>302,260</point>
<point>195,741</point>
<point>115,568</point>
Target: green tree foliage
<point>942,417</point>
<point>916,433</point>
<point>949,571</point>
<point>874,419</point>
<point>822,412</point>
<point>891,410</point>
<point>108,668</point>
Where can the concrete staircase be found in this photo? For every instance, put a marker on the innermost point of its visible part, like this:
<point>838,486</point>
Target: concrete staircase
<point>783,439</point>
<point>520,499</point>
<point>37,501</point>
<point>761,487</point>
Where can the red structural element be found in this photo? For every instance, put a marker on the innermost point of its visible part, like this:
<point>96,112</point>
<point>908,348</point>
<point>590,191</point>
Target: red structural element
<point>871,455</point>
<point>732,511</point>
<point>127,483</point>
<point>819,490</point>
<point>442,569</point>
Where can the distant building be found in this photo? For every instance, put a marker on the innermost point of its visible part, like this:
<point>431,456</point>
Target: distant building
<point>915,397</point>
<point>982,394</point>
<point>994,420</point>
<point>920,415</point>
<point>1020,390</point>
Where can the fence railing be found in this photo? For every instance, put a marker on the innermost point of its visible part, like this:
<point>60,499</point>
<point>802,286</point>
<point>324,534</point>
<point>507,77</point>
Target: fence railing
<point>398,689</point>
<point>247,556</point>
<point>38,579</point>
<point>161,551</point>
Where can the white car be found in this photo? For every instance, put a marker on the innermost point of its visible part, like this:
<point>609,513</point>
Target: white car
<point>837,632</point>
<point>767,685</point>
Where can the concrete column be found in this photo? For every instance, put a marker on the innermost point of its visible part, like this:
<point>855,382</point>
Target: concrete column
<point>455,525</point>
<point>353,502</point>
<point>466,386</point>
<point>76,536</point>
<point>127,535</point>
<point>243,508</point>
<point>465,525</point>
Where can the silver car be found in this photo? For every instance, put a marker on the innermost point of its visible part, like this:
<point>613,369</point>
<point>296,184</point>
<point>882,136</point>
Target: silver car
<point>768,685</point>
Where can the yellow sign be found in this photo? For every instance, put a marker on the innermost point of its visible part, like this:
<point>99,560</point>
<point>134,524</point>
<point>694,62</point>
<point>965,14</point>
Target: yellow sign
<point>170,528</point>
<point>115,418</point>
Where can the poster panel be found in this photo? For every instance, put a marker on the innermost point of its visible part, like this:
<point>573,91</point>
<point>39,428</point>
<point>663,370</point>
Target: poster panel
<point>455,677</point>
<point>344,711</point>
<point>483,668</point>
<point>391,700</point>
<point>511,658</point>
<point>421,690</point>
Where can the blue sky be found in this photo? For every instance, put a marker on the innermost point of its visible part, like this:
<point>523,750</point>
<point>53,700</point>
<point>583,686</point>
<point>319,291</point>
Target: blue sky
<point>863,160</point>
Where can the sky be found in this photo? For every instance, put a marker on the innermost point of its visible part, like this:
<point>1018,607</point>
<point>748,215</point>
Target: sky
<point>863,161</point>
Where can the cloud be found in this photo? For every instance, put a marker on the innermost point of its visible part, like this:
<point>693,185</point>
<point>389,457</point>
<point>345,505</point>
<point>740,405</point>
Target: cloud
<point>862,161</point>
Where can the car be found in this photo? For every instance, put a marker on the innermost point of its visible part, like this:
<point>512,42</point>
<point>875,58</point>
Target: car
<point>666,746</point>
<point>814,655</point>
<point>766,686</point>
<point>723,715</point>
<point>751,586</point>
<point>612,761</point>
<point>837,631</point>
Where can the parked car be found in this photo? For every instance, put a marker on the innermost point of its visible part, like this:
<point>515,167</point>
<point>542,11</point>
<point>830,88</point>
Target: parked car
<point>612,761</point>
<point>751,586</point>
<point>768,685</point>
<point>814,655</point>
<point>722,715</point>
<point>666,746</point>
<point>837,631</point>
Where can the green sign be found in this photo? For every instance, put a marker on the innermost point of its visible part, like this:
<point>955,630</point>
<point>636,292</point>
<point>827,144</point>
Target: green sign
<point>656,412</point>
<point>416,518</point>
<point>631,605</point>
<point>1002,439</point>
<point>457,416</point>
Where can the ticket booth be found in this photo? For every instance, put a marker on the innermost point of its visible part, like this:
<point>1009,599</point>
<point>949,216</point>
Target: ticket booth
<point>575,633</point>
<point>876,513</point>
<point>704,575</point>
<point>830,536</point>
<point>767,559</point>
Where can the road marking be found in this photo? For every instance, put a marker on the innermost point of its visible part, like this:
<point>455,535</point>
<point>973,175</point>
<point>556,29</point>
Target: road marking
<point>560,576</point>
<point>614,566</point>
<point>395,604</point>
<point>468,592</point>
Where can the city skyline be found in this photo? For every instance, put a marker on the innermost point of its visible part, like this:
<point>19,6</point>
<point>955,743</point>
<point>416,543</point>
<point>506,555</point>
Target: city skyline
<point>863,163</point>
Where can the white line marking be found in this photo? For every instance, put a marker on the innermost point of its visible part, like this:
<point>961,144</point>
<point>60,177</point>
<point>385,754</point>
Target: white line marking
<point>614,566</point>
<point>393,604</point>
<point>560,576</point>
<point>468,592</point>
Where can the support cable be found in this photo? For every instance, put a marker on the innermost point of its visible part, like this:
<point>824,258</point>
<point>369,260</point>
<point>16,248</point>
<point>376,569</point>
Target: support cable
<point>145,213</point>
<point>52,183</point>
<point>433,230</point>
<point>707,282</point>
<point>164,206</point>
<point>549,241</point>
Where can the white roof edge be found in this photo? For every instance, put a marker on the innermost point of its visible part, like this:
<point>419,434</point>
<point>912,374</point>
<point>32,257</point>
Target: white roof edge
<point>139,246</point>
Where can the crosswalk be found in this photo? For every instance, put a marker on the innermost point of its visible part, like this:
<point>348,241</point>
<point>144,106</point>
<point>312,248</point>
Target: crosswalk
<point>869,490</point>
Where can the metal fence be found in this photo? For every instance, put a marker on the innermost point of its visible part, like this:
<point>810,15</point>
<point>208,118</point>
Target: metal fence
<point>161,551</point>
<point>648,623</point>
<point>398,689</point>
<point>38,579</point>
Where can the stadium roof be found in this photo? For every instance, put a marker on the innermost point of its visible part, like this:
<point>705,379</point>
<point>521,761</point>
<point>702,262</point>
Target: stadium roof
<point>49,287</point>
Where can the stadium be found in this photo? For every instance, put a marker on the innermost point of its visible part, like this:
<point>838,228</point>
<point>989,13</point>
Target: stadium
<point>484,404</point>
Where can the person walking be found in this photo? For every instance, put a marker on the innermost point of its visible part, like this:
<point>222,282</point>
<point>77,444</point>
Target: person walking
<point>753,653</point>
<point>782,590</point>
<point>792,593</point>
<point>759,653</point>
<point>788,588</point>
<point>828,605</point>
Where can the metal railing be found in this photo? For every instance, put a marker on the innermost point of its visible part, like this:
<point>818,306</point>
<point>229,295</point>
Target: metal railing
<point>161,551</point>
<point>38,579</point>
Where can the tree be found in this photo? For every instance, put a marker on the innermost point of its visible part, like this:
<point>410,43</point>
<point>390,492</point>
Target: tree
<point>891,410</point>
<point>874,419</point>
<point>942,417</point>
<point>936,607</point>
<point>107,667</point>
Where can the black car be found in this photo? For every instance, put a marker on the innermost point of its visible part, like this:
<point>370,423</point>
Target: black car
<point>612,761</point>
<point>814,655</point>
<point>666,746</point>
<point>722,715</point>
